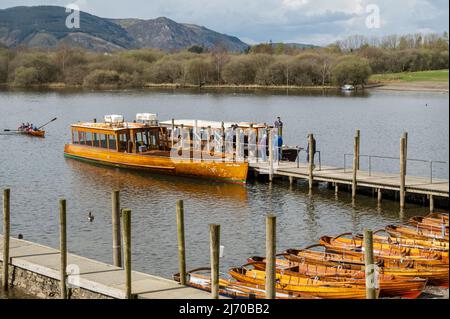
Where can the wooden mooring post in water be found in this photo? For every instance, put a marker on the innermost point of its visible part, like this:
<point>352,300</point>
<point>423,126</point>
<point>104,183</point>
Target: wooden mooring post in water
<point>311,160</point>
<point>402,172</point>
<point>355,166</point>
<point>63,247</point>
<point>126,234</point>
<point>181,242</point>
<point>371,289</point>
<point>214,231</point>
<point>6,234</point>
<point>358,149</point>
<point>270,256</point>
<point>117,245</point>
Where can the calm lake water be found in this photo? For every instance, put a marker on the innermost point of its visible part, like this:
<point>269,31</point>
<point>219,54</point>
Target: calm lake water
<point>39,175</point>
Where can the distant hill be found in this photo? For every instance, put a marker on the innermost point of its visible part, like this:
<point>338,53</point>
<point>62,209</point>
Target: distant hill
<point>169,35</point>
<point>44,26</point>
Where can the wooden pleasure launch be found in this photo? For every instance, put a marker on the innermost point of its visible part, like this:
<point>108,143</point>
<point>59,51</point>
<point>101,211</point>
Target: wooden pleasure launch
<point>146,145</point>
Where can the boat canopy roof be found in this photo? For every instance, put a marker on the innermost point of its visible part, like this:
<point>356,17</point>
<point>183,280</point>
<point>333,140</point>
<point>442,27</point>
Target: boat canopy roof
<point>113,127</point>
<point>212,124</point>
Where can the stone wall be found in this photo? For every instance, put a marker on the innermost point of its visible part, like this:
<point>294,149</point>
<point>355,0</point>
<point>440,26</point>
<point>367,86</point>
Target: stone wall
<point>42,287</point>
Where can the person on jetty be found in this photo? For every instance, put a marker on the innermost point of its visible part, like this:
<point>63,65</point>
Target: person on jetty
<point>279,126</point>
<point>278,146</point>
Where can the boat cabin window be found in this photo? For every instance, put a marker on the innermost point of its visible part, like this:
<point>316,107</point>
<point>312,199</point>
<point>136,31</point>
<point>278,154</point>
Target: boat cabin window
<point>103,140</point>
<point>89,138</point>
<point>112,142</point>
<point>123,142</point>
<point>81,138</point>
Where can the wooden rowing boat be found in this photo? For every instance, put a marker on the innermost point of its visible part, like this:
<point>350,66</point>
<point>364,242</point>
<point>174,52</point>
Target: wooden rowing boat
<point>382,249</point>
<point>37,133</point>
<point>390,285</point>
<point>201,279</point>
<point>354,260</point>
<point>441,216</point>
<point>437,274</point>
<point>408,242</point>
<point>434,225</point>
<point>296,284</point>
<point>417,233</point>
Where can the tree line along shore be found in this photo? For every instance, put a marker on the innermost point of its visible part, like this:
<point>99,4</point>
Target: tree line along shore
<point>352,61</point>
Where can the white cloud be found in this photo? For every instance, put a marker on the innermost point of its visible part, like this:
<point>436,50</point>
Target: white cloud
<point>314,21</point>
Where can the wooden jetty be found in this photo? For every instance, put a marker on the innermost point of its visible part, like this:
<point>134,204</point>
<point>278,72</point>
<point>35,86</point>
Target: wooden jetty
<point>340,176</point>
<point>97,277</point>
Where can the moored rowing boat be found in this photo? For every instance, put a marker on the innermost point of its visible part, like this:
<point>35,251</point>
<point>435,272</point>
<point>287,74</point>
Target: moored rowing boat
<point>390,285</point>
<point>297,284</point>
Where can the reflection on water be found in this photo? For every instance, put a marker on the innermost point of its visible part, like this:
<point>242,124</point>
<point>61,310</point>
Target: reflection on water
<point>39,175</point>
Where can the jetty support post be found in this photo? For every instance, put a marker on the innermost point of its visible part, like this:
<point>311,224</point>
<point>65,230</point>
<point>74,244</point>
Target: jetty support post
<point>214,231</point>
<point>270,256</point>
<point>126,234</point>
<point>380,195</point>
<point>63,247</point>
<point>355,167</point>
<point>117,245</point>
<point>311,160</point>
<point>271,154</point>
<point>405,136</point>
<point>181,242</point>
<point>6,234</point>
<point>431,203</point>
<point>371,275</point>
<point>358,149</point>
<point>402,172</point>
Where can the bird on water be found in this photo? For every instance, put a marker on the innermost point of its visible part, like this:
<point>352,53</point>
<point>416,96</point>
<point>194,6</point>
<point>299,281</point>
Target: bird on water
<point>90,217</point>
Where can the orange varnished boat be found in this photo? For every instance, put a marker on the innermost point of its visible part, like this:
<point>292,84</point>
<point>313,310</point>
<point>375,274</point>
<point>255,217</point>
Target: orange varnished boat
<point>34,133</point>
<point>390,285</point>
<point>441,216</point>
<point>149,147</point>
<point>341,243</point>
<point>354,260</point>
<point>201,279</point>
<point>408,242</point>
<point>298,284</point>
<point>417,233</point>
<point>431,224</point>
<point>437,274</point>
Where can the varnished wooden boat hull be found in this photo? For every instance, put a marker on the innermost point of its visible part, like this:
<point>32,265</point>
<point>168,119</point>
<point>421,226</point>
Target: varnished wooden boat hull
<point>437,274</point>
<point>384,249</point>
<point>221,171</point>
<point>234,290</point>
<point>40,134</point>
<point>302,285</point>
<point>411,242</point>
<point>422,234</point>
<point>390,286</point>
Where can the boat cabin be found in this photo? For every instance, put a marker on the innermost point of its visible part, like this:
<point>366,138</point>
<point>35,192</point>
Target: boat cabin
<point>140,136</point>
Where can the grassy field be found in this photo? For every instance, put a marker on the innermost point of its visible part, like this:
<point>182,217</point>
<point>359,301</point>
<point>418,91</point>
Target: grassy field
<point>424,76</point>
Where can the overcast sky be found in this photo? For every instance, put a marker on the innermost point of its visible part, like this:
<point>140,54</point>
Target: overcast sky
<point>306,21</point>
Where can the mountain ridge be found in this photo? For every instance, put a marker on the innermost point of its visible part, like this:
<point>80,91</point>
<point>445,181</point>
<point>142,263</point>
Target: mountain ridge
<point>44,26</point>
